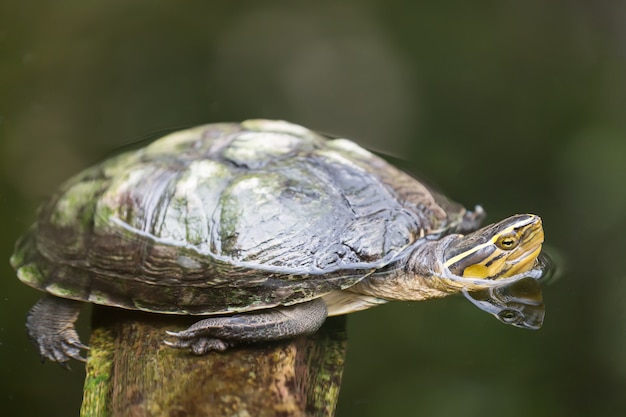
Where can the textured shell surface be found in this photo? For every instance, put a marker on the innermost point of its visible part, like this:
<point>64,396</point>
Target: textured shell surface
<point>228,217</point>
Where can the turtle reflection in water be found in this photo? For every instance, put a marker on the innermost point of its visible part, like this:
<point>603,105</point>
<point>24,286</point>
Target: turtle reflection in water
<point>265,227</point>
<point>519,303</point>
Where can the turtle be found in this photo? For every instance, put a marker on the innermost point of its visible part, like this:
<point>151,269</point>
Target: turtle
<point>264,227</point>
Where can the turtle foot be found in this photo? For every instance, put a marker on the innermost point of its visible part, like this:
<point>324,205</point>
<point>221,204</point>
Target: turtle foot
<point>199,345</point>
<point>60,347</point>
<point>50,326</point>
<point>219,333</point>
<point>472,220</point>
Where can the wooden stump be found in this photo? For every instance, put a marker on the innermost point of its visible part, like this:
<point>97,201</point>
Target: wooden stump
<point>130,372</point>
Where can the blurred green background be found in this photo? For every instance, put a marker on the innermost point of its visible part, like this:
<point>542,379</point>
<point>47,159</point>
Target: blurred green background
<point>515,105</point>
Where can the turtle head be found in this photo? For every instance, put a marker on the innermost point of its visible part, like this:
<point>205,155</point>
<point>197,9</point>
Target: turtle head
<point>499,250</point>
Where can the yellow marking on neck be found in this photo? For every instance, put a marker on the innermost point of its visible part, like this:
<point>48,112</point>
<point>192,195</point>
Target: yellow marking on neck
<point>476,271</point>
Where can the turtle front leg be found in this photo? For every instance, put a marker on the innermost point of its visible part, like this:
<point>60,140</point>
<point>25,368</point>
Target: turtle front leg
<point>472,220</point>
<point>50,326</point>
<point>218,333</point>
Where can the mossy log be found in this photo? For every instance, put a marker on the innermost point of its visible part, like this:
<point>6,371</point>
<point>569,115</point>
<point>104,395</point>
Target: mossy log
<point>130,372</point>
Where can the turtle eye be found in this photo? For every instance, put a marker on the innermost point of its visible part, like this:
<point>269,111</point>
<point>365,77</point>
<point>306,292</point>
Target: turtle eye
<point>507,242</point>
<point>509,316</point>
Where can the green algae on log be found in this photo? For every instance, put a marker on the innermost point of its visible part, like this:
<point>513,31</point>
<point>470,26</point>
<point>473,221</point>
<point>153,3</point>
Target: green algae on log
<point>130,372</point>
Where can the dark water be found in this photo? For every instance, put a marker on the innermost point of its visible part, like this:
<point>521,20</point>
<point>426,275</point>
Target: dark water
<point>517,106</point>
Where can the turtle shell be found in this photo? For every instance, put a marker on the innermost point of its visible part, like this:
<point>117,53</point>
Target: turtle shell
<point>225,218</point>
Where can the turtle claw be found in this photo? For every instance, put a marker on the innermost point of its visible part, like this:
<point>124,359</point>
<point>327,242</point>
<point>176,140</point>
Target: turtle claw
<point>174,334</point>
<point>61,347</point>
<point>74,352</point>
<point>199,345</point>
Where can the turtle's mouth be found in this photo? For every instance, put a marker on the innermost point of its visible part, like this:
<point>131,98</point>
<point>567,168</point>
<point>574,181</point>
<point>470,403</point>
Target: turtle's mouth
<point>522,264</point>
